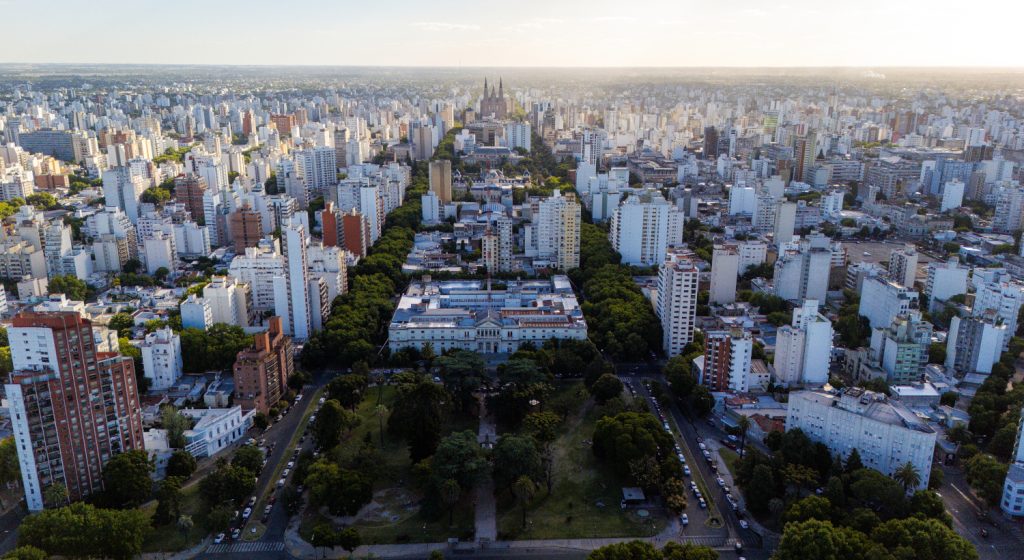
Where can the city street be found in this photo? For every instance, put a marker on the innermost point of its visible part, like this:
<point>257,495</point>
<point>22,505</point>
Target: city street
<point>1003,538</point>
<point>700,468</point>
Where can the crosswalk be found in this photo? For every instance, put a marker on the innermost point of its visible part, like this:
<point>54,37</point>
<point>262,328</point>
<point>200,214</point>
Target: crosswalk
<point>245,547</point>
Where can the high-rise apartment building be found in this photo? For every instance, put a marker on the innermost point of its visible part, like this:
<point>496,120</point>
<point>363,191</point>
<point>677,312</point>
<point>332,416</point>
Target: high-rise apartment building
<point>355,233</point>
<point>72,407</point>
<point>123,189</point>
<point>292,301</point>
<point>882,300</point>
<point>258,267</point>
<point>440,171</point>
<point>557,228</point>
<point>974,344</point>
<point>261,371</point>
<point>945,280</point>
<point>802,269</point>
<point>727,359</point>
<point>1009,213</point>
<point>903,266</point>
<point>725,262</point>
<point>677,300</point>
<point>901,349</point>
<point>1002,298</point>
<point>189,190</point>
<point>161,358</point>
<point>803,350</point>
<point>643,227</point>
<point>245,226</point>
<point>229,300</point>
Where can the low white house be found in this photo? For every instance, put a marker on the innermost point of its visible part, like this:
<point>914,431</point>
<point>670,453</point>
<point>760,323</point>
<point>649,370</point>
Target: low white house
<point>215,429</point>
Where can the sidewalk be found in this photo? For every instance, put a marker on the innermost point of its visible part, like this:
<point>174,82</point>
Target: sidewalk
<point>486,508</point>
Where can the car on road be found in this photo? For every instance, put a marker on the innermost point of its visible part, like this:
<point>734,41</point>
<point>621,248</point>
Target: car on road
<point>733,438</point>
<point>298,397</point>
<point>252,501</point>
<point>693,485</point>
<point>266,510</point>
<point>720,481</point>
<point>321,401</point>
<point>236,534</point>
<point>291,464</point>
<point>246,513</point>
<point>686,470</point>
<point>703,504</point>
<point>281,483</point>
<point>744,524</point>
<point>285,473</point>
<point>684,519</point>
<point>219,538</point>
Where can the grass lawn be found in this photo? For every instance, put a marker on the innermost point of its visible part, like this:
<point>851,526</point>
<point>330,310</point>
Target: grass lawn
<point>572,509</point>
<point>394,516</point>
<point>169,538</point>
<point>729,457</point>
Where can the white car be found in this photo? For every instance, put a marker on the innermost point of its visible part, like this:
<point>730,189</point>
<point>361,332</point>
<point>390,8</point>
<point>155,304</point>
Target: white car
<point>219,538</point>
<point>703,504</point>
<point>686,470</point>
<point>247,513</point>
<point>285,473</point>
<point>298,397</point>
<point>744,524</point>
<point>684,519</point>
<point>702,446</point>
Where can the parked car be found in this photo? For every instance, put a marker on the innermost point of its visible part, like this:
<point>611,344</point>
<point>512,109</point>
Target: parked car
<point>684,519</point>
<point>219,538</point>
<point>686,470</point>
<point>246,513</point>
<point>744,524</point>
<point>703,504</point>
<point>252,501</point>
<point>235,534</point>
<point>266,510</point>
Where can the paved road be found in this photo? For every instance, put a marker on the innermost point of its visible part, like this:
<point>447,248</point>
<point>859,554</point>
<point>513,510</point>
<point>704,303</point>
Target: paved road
<point>700,467</point>
<point>271,542</point>
<point>1004,540</point>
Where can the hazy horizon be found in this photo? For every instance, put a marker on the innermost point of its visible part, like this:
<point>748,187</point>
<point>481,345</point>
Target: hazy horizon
<point>537,34</point>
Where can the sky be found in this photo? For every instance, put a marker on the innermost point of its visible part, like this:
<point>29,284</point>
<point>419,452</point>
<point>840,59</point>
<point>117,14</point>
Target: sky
<point>529,33</point>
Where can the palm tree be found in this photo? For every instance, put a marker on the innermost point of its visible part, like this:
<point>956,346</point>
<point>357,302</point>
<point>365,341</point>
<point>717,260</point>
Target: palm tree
<point>744,424</point>
<point>524,490</point>
<point>450,494</point>
<point>908,476</point>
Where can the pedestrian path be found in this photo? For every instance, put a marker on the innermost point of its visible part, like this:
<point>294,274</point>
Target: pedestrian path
<point>486,509</point>
<point>259,546</point>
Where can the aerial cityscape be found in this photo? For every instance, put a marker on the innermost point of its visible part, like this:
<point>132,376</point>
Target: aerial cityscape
<point>486,292</point>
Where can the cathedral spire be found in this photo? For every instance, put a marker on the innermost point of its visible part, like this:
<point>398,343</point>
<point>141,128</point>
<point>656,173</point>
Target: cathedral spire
<point>501,87</point>
<point>485,87</point>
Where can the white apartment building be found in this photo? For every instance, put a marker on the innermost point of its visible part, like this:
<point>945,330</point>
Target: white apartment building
<point>291,291</point>
<point>318,168</point>
<point>644,227</point>
<point>196,313</point>
<point>1012,501</point>
<point>257,268</point>
<point>1009,209</point>
<point>122,189</point>
<point>944,281</point>
<point>1004,299</point>
<point>469,316</point>
<point>785,223</point>
<point>159,252</point>
<point>677,300</point>
<point>952,196</point>
<point>742,201</point>
<point>882,300</point>
<point>832,205</point>
<point>161,358</point>
<point>725,262</point>
<point>518,135</point>
<point>803,350</point>
<point>752,253</point>
<point>802,269</point>
<point>974,344</point>
<point>885,433</point>
<point>228,299</point>
<point>903,266</point>
<point>329,264</point>
<point>16,182</point>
